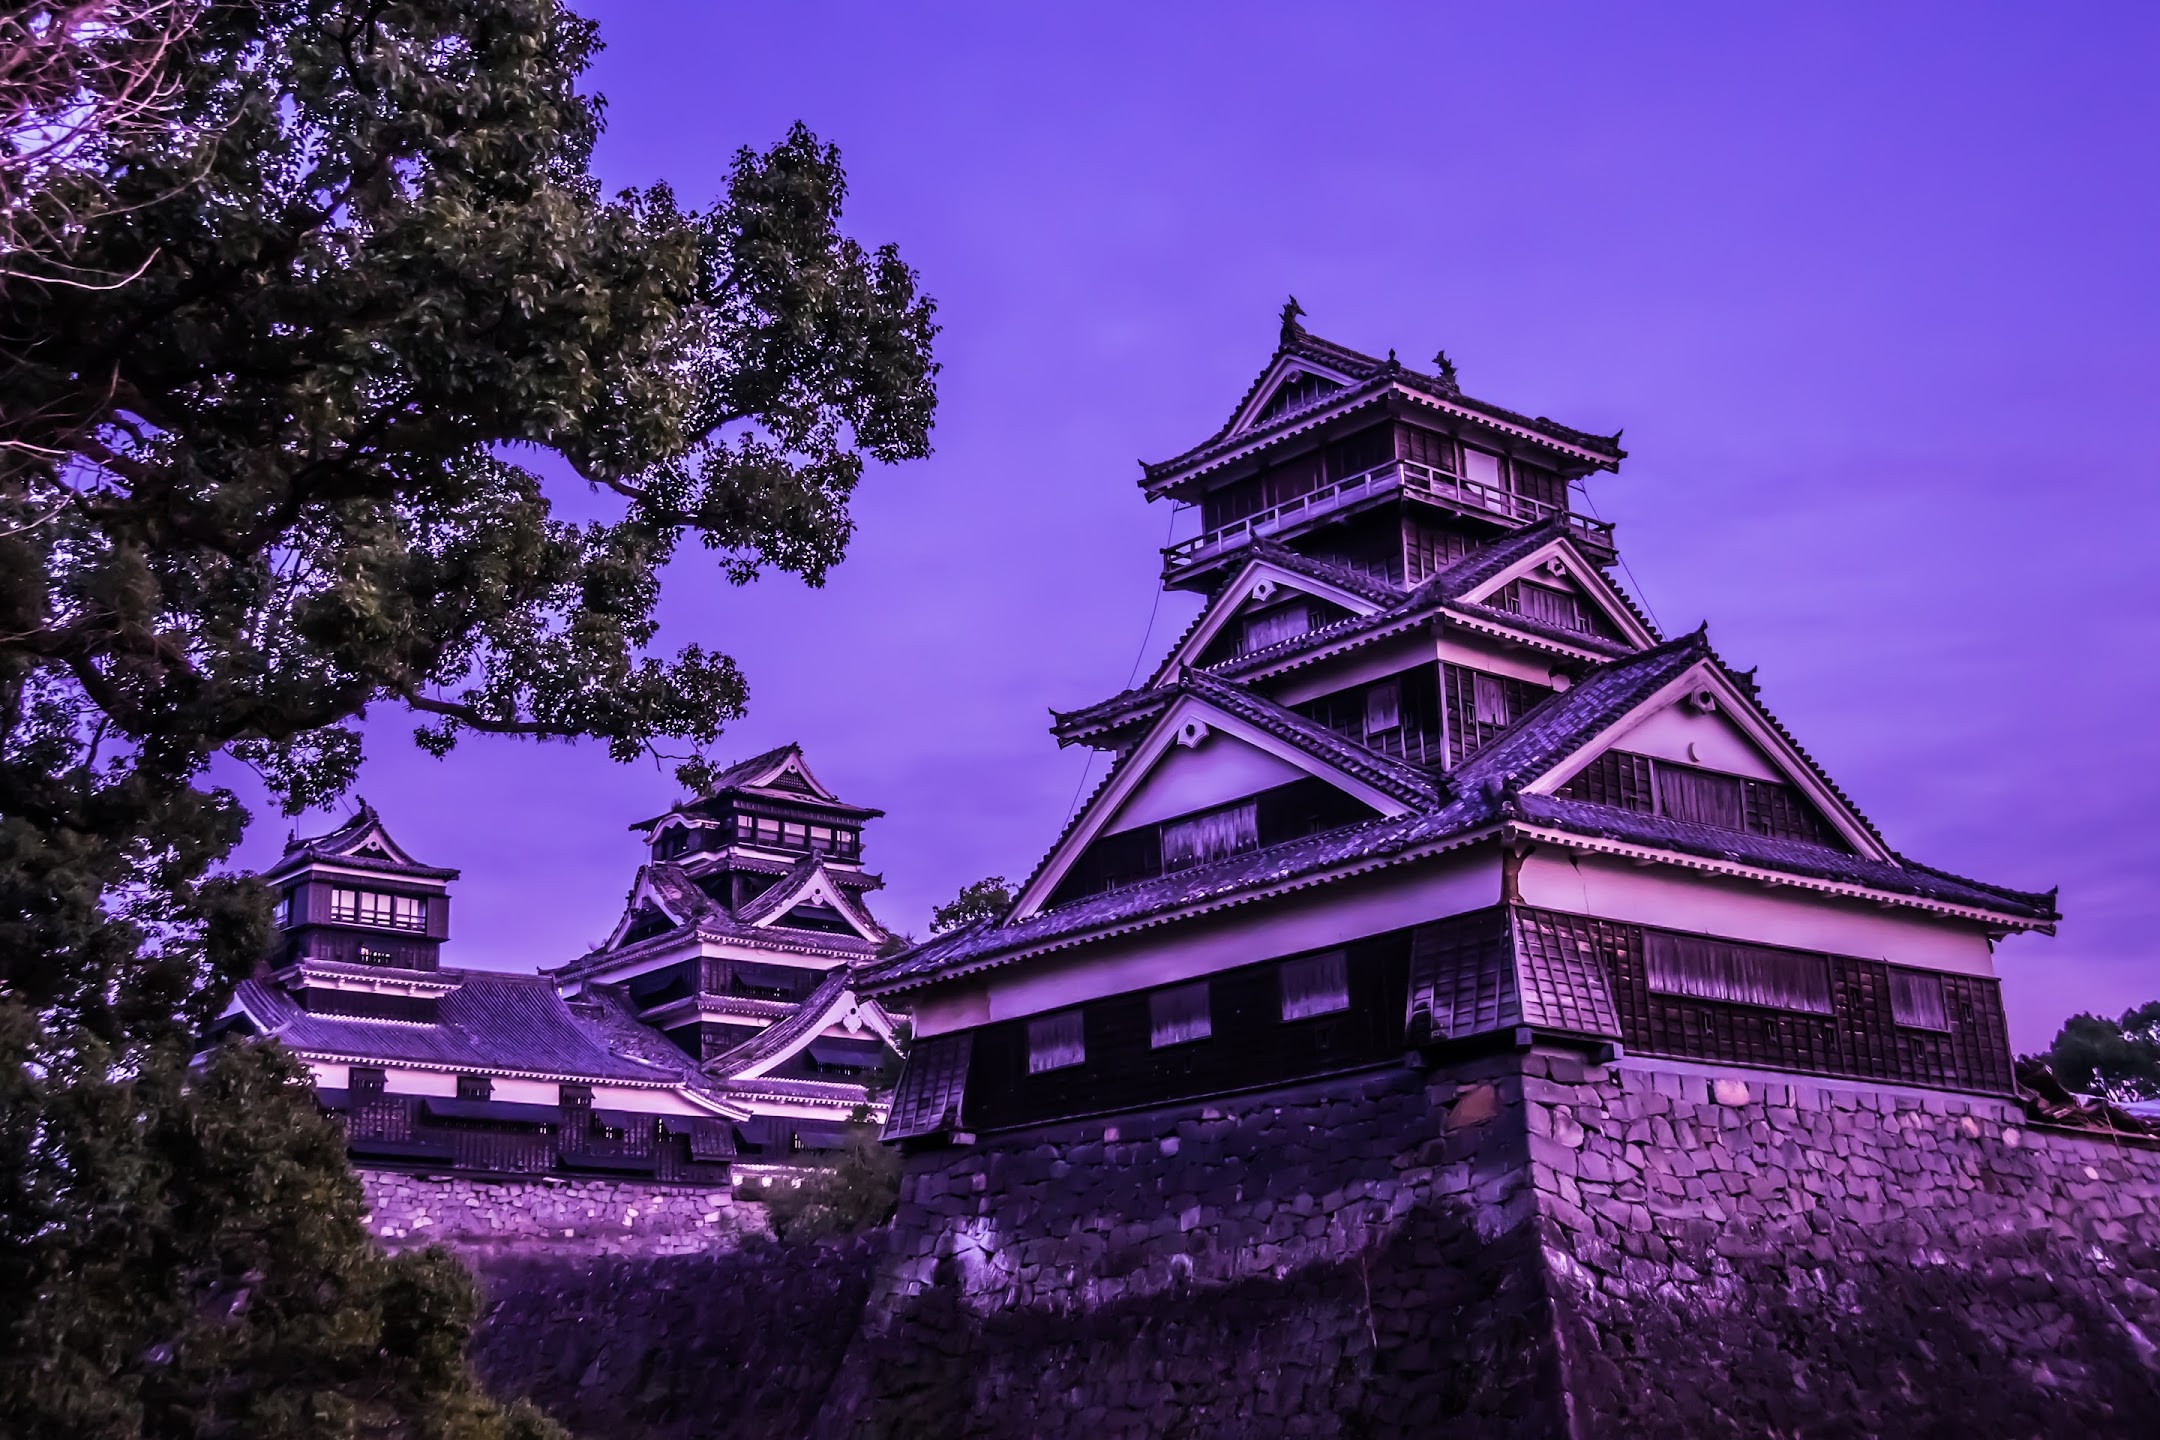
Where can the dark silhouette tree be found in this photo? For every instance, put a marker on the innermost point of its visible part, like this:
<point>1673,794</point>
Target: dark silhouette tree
<point>986,899</point>
<point>2118,1060</point>
<point>359,306</point>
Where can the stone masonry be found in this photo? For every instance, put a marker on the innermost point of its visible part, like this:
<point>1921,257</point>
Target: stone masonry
<point>1520,1245</point>
<point>473,1215</point>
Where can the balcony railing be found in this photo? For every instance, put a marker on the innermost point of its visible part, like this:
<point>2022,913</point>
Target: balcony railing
<point>1409,477</point>
<point>401,1130</point>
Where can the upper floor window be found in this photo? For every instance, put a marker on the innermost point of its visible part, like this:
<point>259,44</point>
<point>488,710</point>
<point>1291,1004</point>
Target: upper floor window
<point>1481,467</point>
<point>281,912</point>
<point>1272,627</point>
<point>375,907</point>
<point>1917,1000</point>
<point>1056,1041</point>
<point>366,1082</point>
<point>1208,836</point>
<point>1315,985</point>
<point>475,1087</point>
<point>1179,1015</point>
<point>1743,974</point>
<point>1769,808</point>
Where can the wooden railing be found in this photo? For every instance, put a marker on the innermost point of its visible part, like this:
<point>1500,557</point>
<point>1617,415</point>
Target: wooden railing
<point>1408,477</point>
<point>399,1130</point>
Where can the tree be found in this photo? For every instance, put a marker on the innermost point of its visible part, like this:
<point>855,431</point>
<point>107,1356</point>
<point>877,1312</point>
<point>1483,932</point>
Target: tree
<point>855,1192</point>
<point>986,899</point>
<point>2118,1060</point>
<point>297,467</point>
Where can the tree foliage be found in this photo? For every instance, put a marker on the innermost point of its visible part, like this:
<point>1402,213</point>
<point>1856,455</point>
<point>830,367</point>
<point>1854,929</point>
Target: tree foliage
<point>986,899</point>
<point>2116,1059</point>
<point>283,400</point>
<point>856,1192</point>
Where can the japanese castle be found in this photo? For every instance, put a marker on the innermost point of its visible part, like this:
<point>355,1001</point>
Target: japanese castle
<point>1422,780</point>
<point>715,1033</point>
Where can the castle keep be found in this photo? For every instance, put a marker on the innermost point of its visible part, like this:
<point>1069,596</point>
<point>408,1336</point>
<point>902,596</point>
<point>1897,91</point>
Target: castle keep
<point>1422,779</point>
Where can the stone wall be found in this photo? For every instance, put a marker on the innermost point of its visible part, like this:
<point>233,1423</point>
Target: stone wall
<point>474,1215</point>
<point>1348,1258</point>
<point>741,1342</point>
<point>1736,1254</point>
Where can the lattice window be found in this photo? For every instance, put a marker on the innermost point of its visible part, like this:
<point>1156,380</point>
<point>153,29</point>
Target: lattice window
<point>1056,1041</point>
<point>1614,778</point>
<point>1272,627</point>
<point>1917,1000</point>
<point>1782,813</point>
<point>1179,1016</point>
<point>1742,974</point>
<point>475,1087</point>
<point>1315,985</point>
<point>374,907</point>
<point>1201,838</point>
<point>1702,796</point>
<point>1478,706</point>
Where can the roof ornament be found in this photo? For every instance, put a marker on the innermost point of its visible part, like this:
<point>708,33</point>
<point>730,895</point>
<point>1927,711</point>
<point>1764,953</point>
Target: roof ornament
<point>1446,368</point>
<point>1291,330</point>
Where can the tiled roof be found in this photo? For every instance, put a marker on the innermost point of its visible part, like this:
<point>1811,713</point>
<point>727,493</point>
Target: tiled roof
<point>783,1038</point>
<point>1405,782</point>
<point>1342,577</point>
<point>491,1022</point>
<point>332,845</point>
<point>1367,374</point>
<point>773,898</point>
<point>698,912</point>
<point>1480,793</point>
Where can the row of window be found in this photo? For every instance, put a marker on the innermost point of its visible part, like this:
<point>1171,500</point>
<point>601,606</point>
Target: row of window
<point>1309,986</point>
<point>1369,450</point>
<point>1704,797</point>
<point>1705,969</point>
<point>377,907</point>
<point>759,830</point>
<point>1285,812</point>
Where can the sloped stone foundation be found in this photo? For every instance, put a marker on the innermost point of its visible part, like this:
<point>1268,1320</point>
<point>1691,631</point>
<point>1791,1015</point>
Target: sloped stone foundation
<point>1514,1246</point>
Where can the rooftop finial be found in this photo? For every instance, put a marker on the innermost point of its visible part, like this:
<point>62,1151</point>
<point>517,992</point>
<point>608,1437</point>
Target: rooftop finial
<point>1291,310</point>
<point>1446,367</point>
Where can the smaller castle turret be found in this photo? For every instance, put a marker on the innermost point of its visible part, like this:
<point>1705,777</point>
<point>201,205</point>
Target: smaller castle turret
<point>356,897</point>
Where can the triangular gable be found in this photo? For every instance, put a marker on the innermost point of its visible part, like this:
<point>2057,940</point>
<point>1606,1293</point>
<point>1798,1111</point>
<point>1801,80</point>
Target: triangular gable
<point>368,840</point>
<point>1702,707</point>
<point>788,772</point>
<point>1559,561</point>
<point>815,886</point>
<point>1260,583</point>
<point>1290,383</point>
<point>782,1042</point>
<point>1192,722</point>
<point>644,896</point>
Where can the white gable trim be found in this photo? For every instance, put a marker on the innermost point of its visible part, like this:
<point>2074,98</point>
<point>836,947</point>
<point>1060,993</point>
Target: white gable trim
<point>1559,555</point>
<point>640,893</point>
<point>790,763</point>
<point>816,887</point>
<point>1740,709</point>
<point>867,1015</point>
<point>1171,729</point>
<point>1247,589</point>
<point>1279,374</point>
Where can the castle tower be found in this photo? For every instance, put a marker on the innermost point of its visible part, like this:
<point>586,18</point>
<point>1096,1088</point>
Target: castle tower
<point>1422,778</point>
<point>354,897</point>
<point>740,940</point>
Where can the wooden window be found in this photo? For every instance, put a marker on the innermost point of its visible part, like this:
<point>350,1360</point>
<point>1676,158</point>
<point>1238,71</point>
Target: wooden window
<point>372,956</point>
<point>1366,450</point>
<point>1315,985</point>
<point>794,836</point>
<point>1272,627</point>
<point>1615,778</point>
<point>1488,705</point>
<point>475,1087</point>
<point>1701,796</point>
<point>1782,813</point>
<point>1426,447</point>
<point>1741,974</point>
<point>1056,1041</point>
<point>1429,549</point>
<point>574,1097</point>
<point>281,913</point>
<point>1916,1000</point>
<point>1209,836</point>
<point>767,831</point>
<point>1383,707</point>
<point>1559,608</point>
<point>373,907</point>
<point>1542,486</point>
<point>365,1082</point>
<point>1178,1016</point>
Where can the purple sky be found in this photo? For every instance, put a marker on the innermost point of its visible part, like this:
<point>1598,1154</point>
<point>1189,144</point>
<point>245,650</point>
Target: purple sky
<point>1873,294</point>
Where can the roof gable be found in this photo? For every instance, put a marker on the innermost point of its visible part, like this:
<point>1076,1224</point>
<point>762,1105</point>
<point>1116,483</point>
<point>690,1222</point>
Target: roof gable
<point>1235,725</point>
<point>1555,562</point>
<point>1290,383</point>
<point>1700,716</point>
<point>1263,582</point>
<point>809,884</point>
<point>651,895</point>
<point>833,1002</point>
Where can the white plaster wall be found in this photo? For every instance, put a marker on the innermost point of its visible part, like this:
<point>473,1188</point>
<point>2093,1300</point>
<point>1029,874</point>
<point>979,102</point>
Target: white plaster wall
<point>1309,920</point>
<point>1681,734</point>
<point>1733,909</point>
<point>1220,769</point>
<point>400,1080</point>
